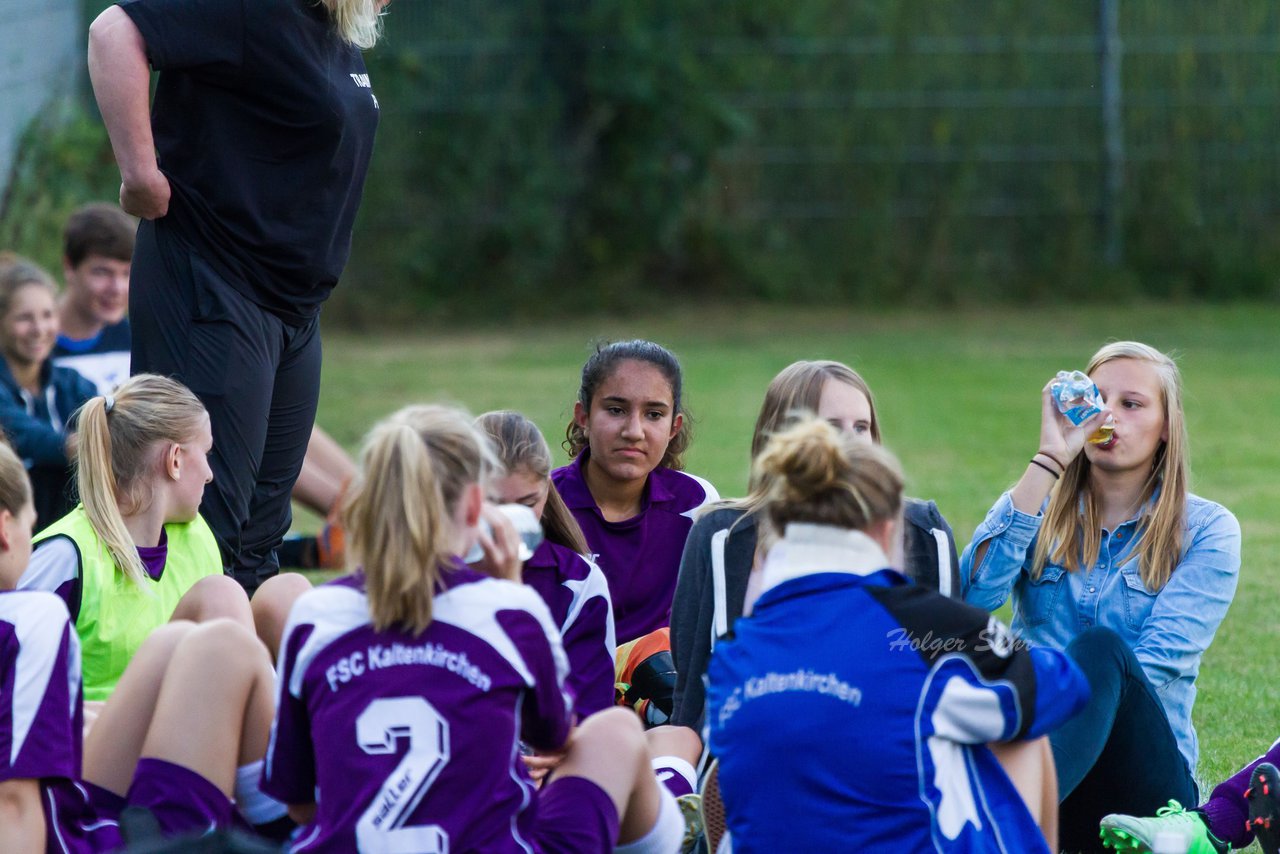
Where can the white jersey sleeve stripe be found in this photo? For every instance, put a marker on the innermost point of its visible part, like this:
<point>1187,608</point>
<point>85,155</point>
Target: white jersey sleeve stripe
<point>710,496</point>
<point>54,562</point>
<point>474,607</point>
<point>333,611</point>
<point>584,590</point>
<point>41,626</point>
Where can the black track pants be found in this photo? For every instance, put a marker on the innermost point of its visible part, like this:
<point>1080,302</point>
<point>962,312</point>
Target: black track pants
<point>258,377</point>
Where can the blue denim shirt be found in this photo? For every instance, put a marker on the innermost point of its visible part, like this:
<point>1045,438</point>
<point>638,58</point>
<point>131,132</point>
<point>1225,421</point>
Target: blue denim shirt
<point>1168,630</point>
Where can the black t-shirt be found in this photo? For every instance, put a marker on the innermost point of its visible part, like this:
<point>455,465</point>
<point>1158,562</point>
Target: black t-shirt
<point>264,122</point>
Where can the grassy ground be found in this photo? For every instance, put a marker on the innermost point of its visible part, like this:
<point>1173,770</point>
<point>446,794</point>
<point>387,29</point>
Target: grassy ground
<point>958,399</point>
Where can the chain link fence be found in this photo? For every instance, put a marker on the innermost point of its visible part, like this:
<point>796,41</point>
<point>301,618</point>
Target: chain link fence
<point>537,153</point>
<point>882,148</point>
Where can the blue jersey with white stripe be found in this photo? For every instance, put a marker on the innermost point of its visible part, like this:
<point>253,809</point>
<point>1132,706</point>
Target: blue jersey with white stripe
<point>852,709</point>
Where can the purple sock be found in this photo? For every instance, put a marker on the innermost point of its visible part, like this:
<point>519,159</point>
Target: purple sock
<point>1227,811</point>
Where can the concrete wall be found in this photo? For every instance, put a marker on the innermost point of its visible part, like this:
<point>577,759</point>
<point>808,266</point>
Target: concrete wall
<point>41,58</point>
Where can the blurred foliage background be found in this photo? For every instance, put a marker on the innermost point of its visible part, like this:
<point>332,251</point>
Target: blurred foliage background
<point>602,155</point>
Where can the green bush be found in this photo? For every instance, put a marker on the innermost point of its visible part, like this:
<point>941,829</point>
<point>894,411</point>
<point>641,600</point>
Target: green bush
<point>604,155</point>
<point>64,160</point>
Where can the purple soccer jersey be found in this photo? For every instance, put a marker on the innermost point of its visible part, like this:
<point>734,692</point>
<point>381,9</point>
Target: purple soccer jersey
<point>577,593</point>
<point>640,556</point>
<point>41,718</point>
<point>413,743</point>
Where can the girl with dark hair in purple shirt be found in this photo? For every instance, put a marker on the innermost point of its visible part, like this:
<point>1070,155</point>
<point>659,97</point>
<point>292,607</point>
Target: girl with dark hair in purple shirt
<point>625,485</point>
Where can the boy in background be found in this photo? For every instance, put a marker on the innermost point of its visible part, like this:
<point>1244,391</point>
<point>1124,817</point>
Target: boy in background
<point>93,333</point>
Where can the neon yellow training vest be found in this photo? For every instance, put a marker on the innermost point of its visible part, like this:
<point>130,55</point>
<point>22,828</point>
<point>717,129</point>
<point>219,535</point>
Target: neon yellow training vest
<point>116,615</point>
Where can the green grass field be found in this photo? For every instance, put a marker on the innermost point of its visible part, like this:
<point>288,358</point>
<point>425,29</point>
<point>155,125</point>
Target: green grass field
<point>958,396</point>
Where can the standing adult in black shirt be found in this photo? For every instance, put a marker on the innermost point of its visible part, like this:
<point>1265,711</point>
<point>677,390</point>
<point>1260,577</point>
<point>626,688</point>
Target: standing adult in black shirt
<point>263,123</point>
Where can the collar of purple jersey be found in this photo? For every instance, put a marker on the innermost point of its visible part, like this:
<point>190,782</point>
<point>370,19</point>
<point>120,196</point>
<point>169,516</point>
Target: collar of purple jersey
<point>543,556</point>
<point>577,496</point>
<point>808,549</point>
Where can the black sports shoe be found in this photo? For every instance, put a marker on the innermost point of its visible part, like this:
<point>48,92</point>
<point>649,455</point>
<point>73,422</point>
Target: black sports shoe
<point>1263,796</point>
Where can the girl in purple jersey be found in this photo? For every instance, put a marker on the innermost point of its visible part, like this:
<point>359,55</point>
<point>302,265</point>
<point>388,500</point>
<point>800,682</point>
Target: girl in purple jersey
<point>625,485</point>
<point>578,595</point>
<point>573,587</point>
<point>143,750</point>
<point>407,688</point>
<point>626,488</point>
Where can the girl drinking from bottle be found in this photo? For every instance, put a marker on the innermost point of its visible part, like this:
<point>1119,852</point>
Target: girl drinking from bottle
<point>1109,556</point>
<point>571,585</point>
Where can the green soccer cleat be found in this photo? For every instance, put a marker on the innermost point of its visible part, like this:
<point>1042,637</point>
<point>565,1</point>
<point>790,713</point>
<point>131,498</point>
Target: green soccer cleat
<point>1130,833</point>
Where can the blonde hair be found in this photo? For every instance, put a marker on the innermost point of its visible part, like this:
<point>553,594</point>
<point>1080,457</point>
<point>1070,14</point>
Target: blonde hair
<point>520,445</point>
<point>798,388</point>
<point>792,394</point>
<point>358,22</point>
<point>814,473</point>
<point>1071,534</point>
<point>117,450</point>
<point>414,468</point>
<point>15,487</point>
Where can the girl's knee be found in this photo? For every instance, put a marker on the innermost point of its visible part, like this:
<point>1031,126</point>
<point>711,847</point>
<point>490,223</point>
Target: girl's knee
<point>678,741</point>
<point>212,597</point>
<point>616,729</point>
<point>165,638</point>
<point>1095,641</point>
<point>277,594</point>
<point>271,604</point>
<point>225,640</point>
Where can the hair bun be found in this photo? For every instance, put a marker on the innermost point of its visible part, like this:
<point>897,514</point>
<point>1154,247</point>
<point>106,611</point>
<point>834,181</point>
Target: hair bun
<point>805,460</point>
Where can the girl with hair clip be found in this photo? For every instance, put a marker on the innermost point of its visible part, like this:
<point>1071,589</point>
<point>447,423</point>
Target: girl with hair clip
<point>135,552</point>
<point>885,749</point>
<point>37,397</point>
<point>437,671</point>
<point>143,751</point>
<point>718,561</point>
<point>1109,556</point>
<point>569,583</point>
<point>626,485</point>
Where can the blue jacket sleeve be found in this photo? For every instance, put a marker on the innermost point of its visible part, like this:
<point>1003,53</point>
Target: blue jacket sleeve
<point>1191,606</point>
<point>36,442</point>
<point>1009,535</point>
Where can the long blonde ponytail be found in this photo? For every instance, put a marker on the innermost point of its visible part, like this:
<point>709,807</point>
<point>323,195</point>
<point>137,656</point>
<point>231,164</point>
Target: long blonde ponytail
<point>414,468</point>
<point>116,451</point>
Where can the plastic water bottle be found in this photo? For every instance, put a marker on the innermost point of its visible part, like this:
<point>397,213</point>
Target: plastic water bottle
<point>526,524</point>
<point>1079,399</point>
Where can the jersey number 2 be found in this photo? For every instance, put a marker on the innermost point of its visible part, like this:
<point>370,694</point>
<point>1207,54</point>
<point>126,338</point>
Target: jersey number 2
<point>384,722</point>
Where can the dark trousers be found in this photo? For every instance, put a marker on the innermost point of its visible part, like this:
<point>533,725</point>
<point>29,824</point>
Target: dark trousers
<point>1119,755</point>
<point>258,377</point>
<point>51,493</point>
